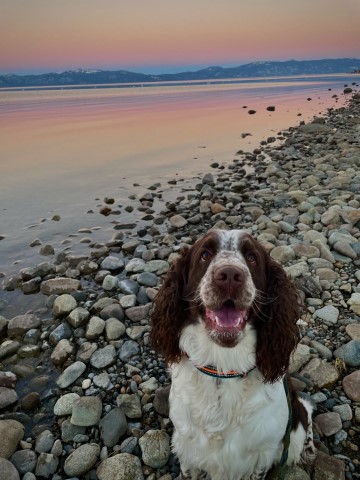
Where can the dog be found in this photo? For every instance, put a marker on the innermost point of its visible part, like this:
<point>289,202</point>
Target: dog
<point>225,322</point>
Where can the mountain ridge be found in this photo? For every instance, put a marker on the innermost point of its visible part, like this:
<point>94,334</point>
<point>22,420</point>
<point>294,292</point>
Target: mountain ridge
<point>254,69</point>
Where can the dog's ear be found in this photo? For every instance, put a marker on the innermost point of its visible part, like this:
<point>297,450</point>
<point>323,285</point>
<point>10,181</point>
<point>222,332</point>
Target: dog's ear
<point>168,312</point>
<point>278,333</point>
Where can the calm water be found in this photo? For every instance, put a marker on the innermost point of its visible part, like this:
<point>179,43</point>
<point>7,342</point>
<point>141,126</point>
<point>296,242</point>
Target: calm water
<point>62,150</point>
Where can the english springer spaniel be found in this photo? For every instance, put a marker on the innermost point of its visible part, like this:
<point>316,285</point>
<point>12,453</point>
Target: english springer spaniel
<point>225,321</point>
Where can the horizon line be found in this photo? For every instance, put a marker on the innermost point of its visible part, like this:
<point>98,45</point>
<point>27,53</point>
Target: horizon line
<point>175,69</point>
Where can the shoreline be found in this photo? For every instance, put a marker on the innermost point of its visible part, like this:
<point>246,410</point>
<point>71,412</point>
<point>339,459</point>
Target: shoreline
<point>89,339</point>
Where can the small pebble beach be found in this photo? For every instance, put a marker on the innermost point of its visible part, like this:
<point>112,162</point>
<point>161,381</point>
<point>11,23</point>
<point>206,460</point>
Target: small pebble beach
<point>82,393</point>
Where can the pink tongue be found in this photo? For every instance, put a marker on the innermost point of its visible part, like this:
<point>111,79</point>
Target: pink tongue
<point>227,316</point>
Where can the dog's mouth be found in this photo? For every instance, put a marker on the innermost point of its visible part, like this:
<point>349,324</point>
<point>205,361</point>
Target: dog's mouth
<point>228,319</point>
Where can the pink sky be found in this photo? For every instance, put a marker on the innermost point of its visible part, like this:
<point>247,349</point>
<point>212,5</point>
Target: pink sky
<point>164,35</point>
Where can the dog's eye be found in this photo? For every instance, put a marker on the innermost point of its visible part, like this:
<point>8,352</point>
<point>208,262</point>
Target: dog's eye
<point>251,258</point>
<point>206,255</point>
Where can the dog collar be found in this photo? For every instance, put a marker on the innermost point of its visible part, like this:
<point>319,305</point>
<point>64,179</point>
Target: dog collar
<point>213,372</point>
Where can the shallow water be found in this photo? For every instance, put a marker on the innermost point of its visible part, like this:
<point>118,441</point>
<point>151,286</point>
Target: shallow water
<point>62,150</point>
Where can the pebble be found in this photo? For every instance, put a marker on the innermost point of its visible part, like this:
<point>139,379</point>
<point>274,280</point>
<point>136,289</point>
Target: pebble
<point>122,466</point>
<point>11,432</point>
<point>86,411</point>
<point>81,460</point>
<point>155,448</point>
<point>103,357</point>
<point>70,374</point>
<point>112,427</point>
<point>8,470</point>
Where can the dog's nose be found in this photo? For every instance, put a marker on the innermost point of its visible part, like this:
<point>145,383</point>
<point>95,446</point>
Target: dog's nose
<point>229,277</point>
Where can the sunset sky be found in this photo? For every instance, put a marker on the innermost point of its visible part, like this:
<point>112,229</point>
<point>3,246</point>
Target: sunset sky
<point>158,36</point>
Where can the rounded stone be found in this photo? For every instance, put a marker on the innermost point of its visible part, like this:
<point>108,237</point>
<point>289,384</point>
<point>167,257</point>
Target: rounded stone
<point>178,221</point>
<point>103,357</point>
<point>329,423</point>
<point>122,466</point>
<point>86,411</point>
<point>94,328</point>
<point>8,396</point>
<point>70,374</point>
<point>282,254</point>
<point>112,427</point>
<point>20,324</point>
<point>350,353</point>
<point>46,465</point>
<point>114,328</point>
<point>64,405</point>
<point>31,401</point>
<point>155,448</point>
<point>147,279</point>
<point>44,442</point>
<point>63,305</point>
<point>11,432</point>
<point>8,471</point>
<point>351,385</point>
<point>24,461</point>
<point>82,459</point>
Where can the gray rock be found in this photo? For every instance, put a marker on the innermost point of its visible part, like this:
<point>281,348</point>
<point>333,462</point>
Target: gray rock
<point>344,248</point>
<point>69,431</point>
<point>78,317</point>
<point>8,396</point>
<point>341,237</point>
<point>102,380</point>
<point>155,448</point>
<point>24,461</point>
<point>103,357</point>
<point>8,348</point>
<point>321,373</point>
<point>112,427</point>
<point>299,358</point>
<point>177,221</point>
<point>17,326</point>
<point>344,411</point>
<point>112,264</point>
<point>161,401</point>
<point>128,301</point>
<point>112,311</point>
<point>329,423</point>
<point>3,325</point>
<point>323,351</point>
<point>157,266</point>
<point>129,404</point>
<point>62,331</point>
<point>63,351</point>
<point>81,460</point>
<point>147,279</point>
<point>114,329</point>
<point>86,411</point>
<point>8,471</point>
<point>63,305</point>
<point>46,465</point>
<point>65,403</point>
<point>85,352</point>
<point>122,466</point>
<point>128,286</point>
<point>130,246</point>
<point>94,328</point>
<point>282,254</point>
<point>329,313</point>
<point>58,286</point>
<point>110,283</point>
<point>136,314</point>
<point>296,473</point>
<point>128,350</point>
<point>70,374</point>
<point>350,352</point>
<point>44,442</point>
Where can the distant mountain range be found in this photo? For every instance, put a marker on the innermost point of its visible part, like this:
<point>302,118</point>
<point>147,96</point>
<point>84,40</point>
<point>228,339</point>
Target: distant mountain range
<point>256,69</point>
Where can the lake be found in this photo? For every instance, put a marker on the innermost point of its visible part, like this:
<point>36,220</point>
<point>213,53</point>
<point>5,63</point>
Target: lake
<point>61,150</point>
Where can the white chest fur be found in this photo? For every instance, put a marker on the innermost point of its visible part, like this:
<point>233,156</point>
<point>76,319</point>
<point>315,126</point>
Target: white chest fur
<point>229,428</point>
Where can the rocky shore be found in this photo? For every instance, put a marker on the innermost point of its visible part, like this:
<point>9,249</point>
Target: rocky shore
<point>82,393</point>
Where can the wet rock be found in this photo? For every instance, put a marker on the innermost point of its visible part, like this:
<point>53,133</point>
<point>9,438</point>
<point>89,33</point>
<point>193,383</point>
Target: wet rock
<point>44,442</point>
<point>8,348</point>
<point>30,402</point>
<point>17,326</point>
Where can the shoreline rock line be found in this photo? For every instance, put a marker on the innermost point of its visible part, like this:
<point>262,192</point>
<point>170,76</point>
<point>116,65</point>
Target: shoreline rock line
<point>82,393</point>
